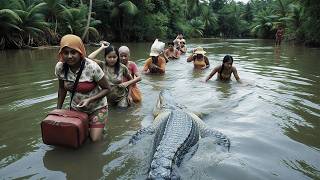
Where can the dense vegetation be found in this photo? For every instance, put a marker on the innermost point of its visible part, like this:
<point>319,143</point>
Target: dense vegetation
<point>25,23</point>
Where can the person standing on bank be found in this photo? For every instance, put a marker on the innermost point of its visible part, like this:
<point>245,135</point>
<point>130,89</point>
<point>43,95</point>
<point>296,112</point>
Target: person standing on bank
<point>116,73</point>
<point>89,96</point>
<point>279,35</point>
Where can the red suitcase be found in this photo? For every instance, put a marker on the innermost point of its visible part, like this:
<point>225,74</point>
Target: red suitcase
<point>65,128</point>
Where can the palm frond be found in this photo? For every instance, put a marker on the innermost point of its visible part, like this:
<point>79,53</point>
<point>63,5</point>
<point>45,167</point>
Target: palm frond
<point>10,14</point>
<point>129,8</point>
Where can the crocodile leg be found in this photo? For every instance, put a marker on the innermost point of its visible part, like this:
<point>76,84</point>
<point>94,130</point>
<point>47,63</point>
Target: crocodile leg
<point>221,139</point>
<point>150,129</point>
<point>140,133</point>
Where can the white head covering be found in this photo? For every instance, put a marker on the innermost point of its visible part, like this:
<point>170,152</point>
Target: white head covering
<point>200,50</point>
<point>124,49</point>
<point>156,48</point>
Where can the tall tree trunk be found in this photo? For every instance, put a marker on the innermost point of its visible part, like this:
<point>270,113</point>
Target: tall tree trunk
<point>88,21</point>
<point>186,8</point>
<point>56,26</point>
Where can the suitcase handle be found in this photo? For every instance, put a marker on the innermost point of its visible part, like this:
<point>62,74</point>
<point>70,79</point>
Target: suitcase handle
<point>65,113</point>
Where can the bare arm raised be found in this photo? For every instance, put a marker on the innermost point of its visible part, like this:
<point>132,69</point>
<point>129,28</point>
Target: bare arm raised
<point>94,54</point>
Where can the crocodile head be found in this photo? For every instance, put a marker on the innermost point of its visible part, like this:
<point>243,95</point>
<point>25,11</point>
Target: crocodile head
<point>165,103</point>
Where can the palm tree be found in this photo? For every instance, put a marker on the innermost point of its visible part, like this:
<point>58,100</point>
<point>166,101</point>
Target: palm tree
<point>197,27</point>
<point>192,8</point>
<point>33,23</point>
<point>9,21</point>
<point>53,12</point>
<point>282,7</point>
<point>264,23</point>
<point>295,21</point>
<point>88,22</point>
<point>209,18</point>
<point>120,10</point>
<point>74,21</point>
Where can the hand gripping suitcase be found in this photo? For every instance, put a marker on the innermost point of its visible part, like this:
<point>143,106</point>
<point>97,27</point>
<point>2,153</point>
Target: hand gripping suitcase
<point>64,127</point>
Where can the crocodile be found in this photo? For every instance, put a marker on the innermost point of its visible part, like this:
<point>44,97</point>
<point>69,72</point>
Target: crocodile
<point>176,133</point>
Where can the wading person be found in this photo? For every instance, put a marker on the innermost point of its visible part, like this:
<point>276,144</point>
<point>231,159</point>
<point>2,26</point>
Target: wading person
<point>200,61</point>
<point>225,70</point>
<point>89,96</point>
<point>171,52</point>
<point>183,47</point>
<point>155,63</point>
<point>115,72</point>
<point>177,41</point>
<point>124,54</point>
<point>279,35</point>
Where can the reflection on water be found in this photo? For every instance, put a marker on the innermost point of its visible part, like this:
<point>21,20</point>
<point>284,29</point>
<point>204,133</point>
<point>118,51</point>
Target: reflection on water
<point>272,118</point>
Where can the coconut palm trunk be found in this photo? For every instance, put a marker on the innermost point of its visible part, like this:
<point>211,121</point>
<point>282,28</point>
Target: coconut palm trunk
<point>88,22</point>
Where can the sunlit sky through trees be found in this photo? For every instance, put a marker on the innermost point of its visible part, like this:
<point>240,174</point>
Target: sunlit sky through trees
<point>244,1</point>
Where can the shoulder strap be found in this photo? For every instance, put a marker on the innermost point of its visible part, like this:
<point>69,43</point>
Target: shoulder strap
<point>77,79</point>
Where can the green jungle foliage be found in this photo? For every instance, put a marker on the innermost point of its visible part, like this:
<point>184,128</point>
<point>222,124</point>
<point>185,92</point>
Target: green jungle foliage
<point>26,23</point>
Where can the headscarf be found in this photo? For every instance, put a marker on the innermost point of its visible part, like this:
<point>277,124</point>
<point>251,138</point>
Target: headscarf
<point>199,50</point>
<point>156,48</point>
<point>74,42</point>
<point>124,49</point>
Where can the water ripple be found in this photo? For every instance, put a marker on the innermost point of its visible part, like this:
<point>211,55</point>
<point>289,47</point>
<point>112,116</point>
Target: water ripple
<point>31,101</point>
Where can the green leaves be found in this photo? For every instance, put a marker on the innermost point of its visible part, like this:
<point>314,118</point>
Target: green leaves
<point>9,16</point>
<point>129,8</point>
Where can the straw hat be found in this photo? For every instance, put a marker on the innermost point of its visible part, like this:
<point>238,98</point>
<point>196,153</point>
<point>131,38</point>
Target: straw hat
<point>156,48</point>
<point>200,50</point>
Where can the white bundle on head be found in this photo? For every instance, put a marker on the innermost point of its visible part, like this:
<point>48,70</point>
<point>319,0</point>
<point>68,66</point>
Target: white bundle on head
<point>156,48</point>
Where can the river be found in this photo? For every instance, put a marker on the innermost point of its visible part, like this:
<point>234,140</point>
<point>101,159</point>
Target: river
<point>272,118</point>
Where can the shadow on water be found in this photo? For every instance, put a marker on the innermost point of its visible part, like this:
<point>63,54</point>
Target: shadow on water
<point>84,163</point>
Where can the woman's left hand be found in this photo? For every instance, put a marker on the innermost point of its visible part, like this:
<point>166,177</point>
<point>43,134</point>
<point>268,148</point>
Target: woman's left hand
<point>130,100</point>
<point>123,85</point>
<point>84,103</point>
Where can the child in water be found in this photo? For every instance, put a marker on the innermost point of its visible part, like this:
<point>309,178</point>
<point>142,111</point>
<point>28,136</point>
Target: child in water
<point>225,70</point>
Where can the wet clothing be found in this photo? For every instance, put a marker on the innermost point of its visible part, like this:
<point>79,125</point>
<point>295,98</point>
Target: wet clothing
<point>161,63</point>
<point>135,91</point>
<point>98,118</point>
<point>86,88</point>
<point>279,34</point>
<point>199,63</point>
<point>225,75</point>
<point>170,54</point>
<point>117,95</point>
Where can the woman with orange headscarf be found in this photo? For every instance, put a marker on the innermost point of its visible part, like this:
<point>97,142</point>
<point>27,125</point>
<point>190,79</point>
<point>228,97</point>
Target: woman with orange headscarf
<point>90,93</point>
